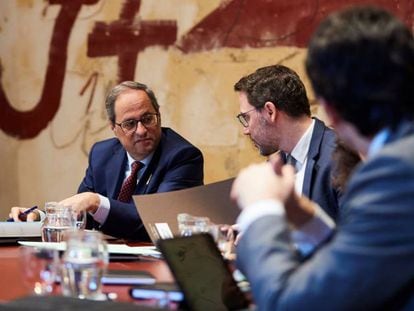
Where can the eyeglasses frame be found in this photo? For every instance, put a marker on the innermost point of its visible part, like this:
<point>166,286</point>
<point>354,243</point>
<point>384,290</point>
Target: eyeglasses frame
<point>242,117</point>
<point>138,121</point>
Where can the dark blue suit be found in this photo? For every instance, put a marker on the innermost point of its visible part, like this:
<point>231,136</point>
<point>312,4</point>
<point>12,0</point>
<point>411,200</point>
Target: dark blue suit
<point>176,164</point>
<point>317,183</point>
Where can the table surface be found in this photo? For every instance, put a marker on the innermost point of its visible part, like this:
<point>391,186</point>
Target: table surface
<point>12,285</point>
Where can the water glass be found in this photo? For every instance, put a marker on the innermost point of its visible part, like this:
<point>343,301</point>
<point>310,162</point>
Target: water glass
<point>58,219</point>
<point>79,218</point>
<point>224,237</point>
<point>39,267</point>
<point>84,262</point>
<point>189,225</point>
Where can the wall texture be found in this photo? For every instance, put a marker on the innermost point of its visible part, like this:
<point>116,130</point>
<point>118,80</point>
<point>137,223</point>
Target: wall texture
<point>59,58</point>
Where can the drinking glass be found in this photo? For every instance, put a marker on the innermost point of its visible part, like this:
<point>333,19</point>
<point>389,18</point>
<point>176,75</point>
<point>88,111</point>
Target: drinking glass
<point>79,218</point>
<point>58,219</point>
<point>224,237</point>
<point>83,264</point>
<point>39,267</point>
<point>189,225</point>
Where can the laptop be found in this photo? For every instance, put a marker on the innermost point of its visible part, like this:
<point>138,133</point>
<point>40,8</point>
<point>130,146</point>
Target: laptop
<point>159,211</point>
<point>202,274</point>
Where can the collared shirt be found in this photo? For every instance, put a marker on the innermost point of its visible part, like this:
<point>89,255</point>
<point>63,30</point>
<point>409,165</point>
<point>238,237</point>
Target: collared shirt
<point>309,236</point>
<point>300,153</point>
<point>102,212</point>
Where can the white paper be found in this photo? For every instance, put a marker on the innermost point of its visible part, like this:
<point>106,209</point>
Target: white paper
<point>20,229</point>
<point>112,248</point>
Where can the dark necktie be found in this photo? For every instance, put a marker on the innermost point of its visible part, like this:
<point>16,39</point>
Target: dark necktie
<point>291,160</point>
<point>128,187</point>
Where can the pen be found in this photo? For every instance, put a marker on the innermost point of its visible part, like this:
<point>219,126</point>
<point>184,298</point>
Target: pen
<point>29,210</point>
<point>146,184</point>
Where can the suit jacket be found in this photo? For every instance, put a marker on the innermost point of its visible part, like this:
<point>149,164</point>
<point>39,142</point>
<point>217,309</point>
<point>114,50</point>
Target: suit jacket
<point>176,164</point>
<point>317,182</point>
<point>368,263</point>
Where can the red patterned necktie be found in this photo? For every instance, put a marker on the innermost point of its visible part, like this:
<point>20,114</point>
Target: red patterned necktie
<point>128,187</point>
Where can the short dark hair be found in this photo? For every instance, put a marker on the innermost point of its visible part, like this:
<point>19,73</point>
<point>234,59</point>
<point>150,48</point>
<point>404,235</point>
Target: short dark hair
<point>118,89</point>
<point>277,84</point>
<point>361,62</point>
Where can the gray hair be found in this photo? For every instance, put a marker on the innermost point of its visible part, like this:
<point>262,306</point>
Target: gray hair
<point>118,89</point>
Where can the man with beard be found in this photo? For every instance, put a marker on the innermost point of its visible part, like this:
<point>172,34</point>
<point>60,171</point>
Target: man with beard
<point>275,113</point>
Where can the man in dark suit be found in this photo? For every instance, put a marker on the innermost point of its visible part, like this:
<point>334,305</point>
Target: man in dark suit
<point>165,162</point>
<point>361,64</point>
<point>275,114</point>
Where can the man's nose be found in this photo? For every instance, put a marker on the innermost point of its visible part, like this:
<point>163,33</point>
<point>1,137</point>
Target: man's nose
<point>141,130</point>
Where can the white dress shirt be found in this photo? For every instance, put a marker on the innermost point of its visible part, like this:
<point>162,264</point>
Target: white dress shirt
<point>300,153</point>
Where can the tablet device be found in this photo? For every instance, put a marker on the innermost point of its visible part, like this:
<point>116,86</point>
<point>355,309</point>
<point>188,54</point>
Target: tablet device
<point>127,277</point>
<point>202,274</point>
<point>157,291</point>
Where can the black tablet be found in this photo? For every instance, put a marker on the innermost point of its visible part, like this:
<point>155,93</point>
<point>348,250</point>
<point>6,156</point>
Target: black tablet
<point>202,274</point>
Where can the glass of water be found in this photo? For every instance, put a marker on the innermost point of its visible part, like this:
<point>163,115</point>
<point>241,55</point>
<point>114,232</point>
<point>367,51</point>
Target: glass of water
<point>58,220</point>
<point>79,218</point>
<point>39,267</point>
<point>83,264</point>
<point>189,224</point>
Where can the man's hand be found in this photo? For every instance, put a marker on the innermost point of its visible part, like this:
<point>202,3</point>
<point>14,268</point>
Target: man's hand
<point>299,209</point>
<point>85,201</point>
<point>260,182</point>
<point>16,213</point>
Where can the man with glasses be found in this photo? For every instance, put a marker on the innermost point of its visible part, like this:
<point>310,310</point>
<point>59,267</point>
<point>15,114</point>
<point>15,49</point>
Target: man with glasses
<point>275,114</point>
<point>143,158</point>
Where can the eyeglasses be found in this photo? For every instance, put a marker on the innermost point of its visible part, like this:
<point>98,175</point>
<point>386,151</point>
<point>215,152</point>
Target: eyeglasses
<point>244,118</point>
<point>147,120</point>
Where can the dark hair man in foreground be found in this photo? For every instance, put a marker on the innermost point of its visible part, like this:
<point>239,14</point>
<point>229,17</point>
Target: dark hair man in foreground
<point>361,64</point>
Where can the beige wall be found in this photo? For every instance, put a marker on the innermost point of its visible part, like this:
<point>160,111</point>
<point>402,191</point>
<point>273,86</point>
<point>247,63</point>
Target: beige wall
<point>195,92</point>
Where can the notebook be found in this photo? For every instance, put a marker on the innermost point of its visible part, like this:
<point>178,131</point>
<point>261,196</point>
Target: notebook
<point>202,274</point>
<point>159,211</point>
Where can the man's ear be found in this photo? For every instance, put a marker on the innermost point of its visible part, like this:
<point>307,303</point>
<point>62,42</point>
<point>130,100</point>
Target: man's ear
<point>331,113</point>
<point>270,110</point>
<point>112,126</point>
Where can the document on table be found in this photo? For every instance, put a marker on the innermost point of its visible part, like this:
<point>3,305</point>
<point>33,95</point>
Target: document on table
<point>19,229</point>
<point>112,248</point>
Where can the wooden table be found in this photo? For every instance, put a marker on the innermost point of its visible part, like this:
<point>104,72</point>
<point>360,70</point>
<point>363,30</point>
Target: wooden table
<point>12,285</point>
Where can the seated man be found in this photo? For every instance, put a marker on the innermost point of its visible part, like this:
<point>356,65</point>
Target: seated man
<point>361,64</point>
<point>275,114</point>
<point>143,158</point>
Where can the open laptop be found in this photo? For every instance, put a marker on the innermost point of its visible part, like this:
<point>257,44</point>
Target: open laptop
<point>202,274</point>
<point>159,211</point>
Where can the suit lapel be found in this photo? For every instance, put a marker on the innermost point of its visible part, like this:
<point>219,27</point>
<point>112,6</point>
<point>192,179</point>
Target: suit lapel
<point>313,153</point>
<point>115,171</point>
<point>144,184</point>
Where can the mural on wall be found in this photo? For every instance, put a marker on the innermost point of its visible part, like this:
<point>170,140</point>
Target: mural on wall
<point>125,38</point>
<point>234,23</point>
<point>263,23</point>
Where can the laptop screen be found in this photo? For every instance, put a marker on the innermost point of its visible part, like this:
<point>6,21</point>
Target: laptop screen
<point>202,274</point>
<point>159,211</point>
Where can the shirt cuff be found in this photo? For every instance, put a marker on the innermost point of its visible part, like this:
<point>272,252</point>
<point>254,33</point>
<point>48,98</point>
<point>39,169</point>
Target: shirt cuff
<point>313,233</point>
<point>102,212</point>
<point>258,210</point>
